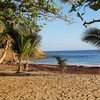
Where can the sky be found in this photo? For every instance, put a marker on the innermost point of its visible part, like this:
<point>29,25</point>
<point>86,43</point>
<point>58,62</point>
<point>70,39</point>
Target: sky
<point>58,35</point>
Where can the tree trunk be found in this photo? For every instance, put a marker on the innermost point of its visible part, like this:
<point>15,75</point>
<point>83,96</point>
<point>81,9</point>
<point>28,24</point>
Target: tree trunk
<point>5,51</point>
<point>18,70</point>
<point>19,65</point>
<point>26,65</point>
<point>27,62</point>
<point>14,57</point>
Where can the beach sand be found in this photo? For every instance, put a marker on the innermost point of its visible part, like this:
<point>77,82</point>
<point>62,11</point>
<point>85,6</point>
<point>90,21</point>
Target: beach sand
<point>48,83</point>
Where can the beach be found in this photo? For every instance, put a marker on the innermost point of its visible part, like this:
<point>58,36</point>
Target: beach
<point>45,52</point>
<point>43,82</point>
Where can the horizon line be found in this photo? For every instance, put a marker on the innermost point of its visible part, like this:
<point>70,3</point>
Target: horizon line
<point>71,50</point>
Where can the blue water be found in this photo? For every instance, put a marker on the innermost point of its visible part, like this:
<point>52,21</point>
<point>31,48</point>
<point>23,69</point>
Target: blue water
<point>91,57</point>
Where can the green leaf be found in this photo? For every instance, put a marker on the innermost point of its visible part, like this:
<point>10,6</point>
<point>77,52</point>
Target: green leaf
<point>72,8</point>
<point>78,14</point>
<point>25,46</point>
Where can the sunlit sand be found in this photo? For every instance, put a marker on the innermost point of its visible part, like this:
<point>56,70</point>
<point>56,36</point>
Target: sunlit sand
<point>46,84</point>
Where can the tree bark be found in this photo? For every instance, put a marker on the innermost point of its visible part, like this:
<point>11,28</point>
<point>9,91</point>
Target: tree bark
<point>27,63</point>
<point>14,57</point>
<point>25,66</point>
<point>18,70</point>
<point>19,65</point>
<point>5,51</point>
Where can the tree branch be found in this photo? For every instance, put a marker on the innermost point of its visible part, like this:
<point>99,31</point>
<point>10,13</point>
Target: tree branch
<point>88,23</point>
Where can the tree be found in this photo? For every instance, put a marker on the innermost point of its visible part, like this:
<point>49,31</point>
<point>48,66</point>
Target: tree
<point>20,44</point>
<point>92,36</point>
<point>79,6</point>
<point>60,61</point>
<point>35,41</point>
<point>32,10</point>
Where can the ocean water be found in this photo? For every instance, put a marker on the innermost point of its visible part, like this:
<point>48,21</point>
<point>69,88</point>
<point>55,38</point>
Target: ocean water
<point>80,57</point>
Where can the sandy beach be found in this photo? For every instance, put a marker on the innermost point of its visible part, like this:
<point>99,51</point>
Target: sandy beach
<point>47,83</point>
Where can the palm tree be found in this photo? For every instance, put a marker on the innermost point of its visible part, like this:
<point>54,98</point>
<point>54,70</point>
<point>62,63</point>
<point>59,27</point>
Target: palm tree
<point>61,62</point>
<point>23,39</point>
<point>35,41</point>
<point>20,45</point>
<point>92,35</point>
<point>23,44</point>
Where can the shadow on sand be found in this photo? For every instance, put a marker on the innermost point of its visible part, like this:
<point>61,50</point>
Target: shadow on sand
<point>52,70</point>
<point>24,74</point>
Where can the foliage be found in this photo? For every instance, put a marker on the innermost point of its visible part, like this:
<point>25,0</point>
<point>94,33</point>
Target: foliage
<point>36,38</point>
<point>92,35</point>
<point>17,11</point>
<point>76,4</point>
<point>3,35</point>
<point>60,61</point>
<point>79,6</point>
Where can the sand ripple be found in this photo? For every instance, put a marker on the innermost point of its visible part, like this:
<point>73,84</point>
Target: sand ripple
<point>50,87</point>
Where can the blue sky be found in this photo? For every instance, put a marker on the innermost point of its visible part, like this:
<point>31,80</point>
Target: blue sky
<point>57,35</point>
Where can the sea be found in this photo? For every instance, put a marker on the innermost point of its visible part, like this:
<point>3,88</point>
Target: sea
<point>79,57</point>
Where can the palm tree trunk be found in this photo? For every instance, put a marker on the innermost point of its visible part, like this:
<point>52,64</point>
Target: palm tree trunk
<point>13,55</point>
<point>20,63</point>
<point>5,51</point>
<point>27,62</point>
<point>26,65</point>
<point>3,56</point>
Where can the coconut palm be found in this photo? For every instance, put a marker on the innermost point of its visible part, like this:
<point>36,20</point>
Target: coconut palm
<point>20,44</point>
<point>60,61</point>
<point>35,41</point>
<point>22,38</point>
<point>92,35</point>
<point>23,44</point>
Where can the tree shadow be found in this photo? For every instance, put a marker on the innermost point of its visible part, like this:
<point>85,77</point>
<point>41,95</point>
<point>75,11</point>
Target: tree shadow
<point>50,70</point>
<point>26,74</point>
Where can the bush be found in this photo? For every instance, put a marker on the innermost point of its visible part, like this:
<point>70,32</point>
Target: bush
<point>61,62</point>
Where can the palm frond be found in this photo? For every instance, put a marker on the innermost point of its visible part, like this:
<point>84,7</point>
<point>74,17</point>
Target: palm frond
<point>92,35</point>
<point>34,43</point>
<point>25,46</point>
<point>16,39</point>
<point>2,27</point>
<point>35,40</point>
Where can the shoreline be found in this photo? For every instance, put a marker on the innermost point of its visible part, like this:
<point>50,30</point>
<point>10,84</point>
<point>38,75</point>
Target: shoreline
<point>83,65</point>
